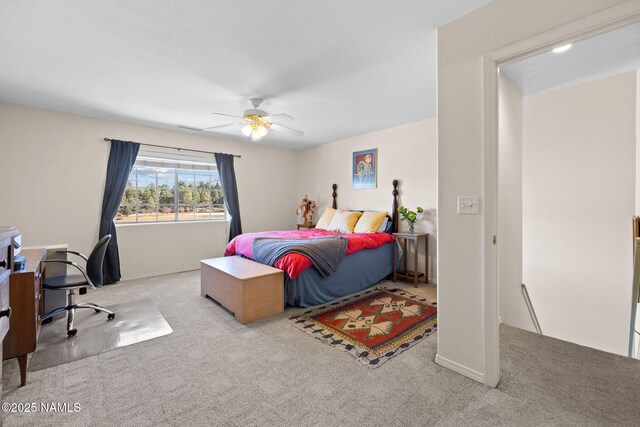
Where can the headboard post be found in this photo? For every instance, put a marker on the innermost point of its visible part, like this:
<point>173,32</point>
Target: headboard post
<point>394,209</point>
<point>334,195</point>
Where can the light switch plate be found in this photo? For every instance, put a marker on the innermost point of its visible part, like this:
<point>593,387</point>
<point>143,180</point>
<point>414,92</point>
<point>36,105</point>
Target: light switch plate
<point>468,205</point>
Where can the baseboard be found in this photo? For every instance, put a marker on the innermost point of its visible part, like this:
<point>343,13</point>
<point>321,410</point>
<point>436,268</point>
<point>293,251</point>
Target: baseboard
<point>461,369</point>
<point>499,320</point>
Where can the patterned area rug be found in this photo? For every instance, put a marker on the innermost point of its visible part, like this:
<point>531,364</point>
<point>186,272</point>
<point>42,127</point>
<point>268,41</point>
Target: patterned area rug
<point>373,326</point>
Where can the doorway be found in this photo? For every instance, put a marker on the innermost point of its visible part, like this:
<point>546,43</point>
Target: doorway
<point>571,33</point>
<point>567,178</point>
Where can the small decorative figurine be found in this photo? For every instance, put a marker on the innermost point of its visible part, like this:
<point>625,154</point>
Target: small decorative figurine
<point>306,207</point>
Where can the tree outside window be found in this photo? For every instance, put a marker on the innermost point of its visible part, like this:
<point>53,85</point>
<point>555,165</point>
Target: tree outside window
<point>160,194</point>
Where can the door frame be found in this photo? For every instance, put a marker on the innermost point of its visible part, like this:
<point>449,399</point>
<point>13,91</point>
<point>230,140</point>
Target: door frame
<point>607,20</point>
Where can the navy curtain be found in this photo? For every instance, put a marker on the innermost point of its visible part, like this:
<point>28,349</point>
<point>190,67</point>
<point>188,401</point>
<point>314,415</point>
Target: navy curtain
<point>121,159</point>
<point>228,180</point>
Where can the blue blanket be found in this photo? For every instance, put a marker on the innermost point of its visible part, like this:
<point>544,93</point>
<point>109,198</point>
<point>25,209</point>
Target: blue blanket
<point>325,253</point>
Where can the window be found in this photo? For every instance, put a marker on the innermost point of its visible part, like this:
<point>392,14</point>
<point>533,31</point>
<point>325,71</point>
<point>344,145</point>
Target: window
<point>170,187</point>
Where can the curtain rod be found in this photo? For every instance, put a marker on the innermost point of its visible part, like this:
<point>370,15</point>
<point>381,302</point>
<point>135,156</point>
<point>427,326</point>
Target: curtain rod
<point>178,148</point>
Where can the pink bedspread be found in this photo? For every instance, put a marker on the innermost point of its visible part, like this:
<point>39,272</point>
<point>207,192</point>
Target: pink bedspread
<point>294,263</point>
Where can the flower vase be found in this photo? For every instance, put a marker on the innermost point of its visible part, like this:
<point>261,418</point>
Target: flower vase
<point>412,226</point>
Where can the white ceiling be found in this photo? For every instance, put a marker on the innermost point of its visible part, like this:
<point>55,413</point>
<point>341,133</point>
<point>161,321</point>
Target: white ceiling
<point>607,54</point>
<point>341,68</point>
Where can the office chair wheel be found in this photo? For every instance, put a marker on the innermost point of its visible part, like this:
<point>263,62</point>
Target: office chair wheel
<point>96,310</point>
<point>72,332</point>
<point>111,316</point>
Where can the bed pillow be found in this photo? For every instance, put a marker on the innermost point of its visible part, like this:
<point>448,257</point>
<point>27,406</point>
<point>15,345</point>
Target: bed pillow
<point>344,221</point>
<point>369,222</point>
<point>383,225</point>
<point>325,219</point>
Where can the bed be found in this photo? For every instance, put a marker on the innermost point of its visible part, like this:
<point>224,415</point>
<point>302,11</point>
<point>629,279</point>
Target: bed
<point>368,260</point>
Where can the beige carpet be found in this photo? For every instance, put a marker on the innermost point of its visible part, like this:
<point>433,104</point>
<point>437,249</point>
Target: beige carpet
<point>135,321</point>
<point>213,371</point>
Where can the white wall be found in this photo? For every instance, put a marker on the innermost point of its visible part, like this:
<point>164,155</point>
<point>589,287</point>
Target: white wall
<point>513,309</point>
<point>54,167</point>
<point>407,153</point>
<point>461,47</point>
<point>578,199</point>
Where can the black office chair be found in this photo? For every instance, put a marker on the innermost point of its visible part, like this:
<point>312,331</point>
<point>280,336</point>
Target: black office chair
<point>92,276</point>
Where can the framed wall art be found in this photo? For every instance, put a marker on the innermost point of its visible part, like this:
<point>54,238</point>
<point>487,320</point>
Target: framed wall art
<point>365,168</point>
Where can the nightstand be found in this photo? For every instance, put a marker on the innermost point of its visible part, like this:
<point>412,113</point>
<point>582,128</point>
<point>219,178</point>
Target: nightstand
<point>306,226</point>
<point>415,274</point>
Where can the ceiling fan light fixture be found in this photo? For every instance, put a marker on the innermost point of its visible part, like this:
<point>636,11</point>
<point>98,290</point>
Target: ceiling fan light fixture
<point>256,130</point>
<point>261,130</point>
<point>256,123</point>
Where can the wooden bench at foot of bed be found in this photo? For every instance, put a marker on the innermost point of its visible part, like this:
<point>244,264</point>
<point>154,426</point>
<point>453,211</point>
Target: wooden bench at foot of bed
<point>250,290</point>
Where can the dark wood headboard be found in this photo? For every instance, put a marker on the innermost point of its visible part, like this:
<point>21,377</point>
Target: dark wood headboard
<point>394,209</point>
<point>394,206</point>
<point>334,195</point>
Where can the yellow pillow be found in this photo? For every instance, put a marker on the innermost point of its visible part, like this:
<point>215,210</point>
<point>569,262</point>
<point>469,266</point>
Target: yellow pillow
<point>325,219</point>
<point>369,222</point>
<point>344,221</point>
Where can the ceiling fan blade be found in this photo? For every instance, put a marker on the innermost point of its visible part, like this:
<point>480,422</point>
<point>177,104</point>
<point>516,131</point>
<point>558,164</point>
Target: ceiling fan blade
<point>190,128</point>
<point>228,115</point>
<point>220,126</point>
<point>285,129</point>
<point>278,117</point>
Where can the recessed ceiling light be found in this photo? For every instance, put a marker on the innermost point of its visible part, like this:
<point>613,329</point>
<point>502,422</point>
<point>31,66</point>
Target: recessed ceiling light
<point>561,49</point>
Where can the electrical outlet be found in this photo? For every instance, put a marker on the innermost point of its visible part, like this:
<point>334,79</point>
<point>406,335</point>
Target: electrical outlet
<point>468,205</point>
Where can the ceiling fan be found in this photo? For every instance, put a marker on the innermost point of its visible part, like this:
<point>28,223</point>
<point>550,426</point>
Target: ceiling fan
<point>255,123</point>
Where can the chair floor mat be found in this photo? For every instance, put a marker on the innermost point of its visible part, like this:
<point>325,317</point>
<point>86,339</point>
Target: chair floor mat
<point>135,321</point>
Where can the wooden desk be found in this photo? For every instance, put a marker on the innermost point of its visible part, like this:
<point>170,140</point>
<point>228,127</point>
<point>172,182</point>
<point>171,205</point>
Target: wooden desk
<point>6,265</point>
<point>306,226</point>
<point>412,274</point>
<point>27,310</point>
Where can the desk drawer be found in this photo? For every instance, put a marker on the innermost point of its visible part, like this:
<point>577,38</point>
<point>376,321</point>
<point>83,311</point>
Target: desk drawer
<point>5,262</point>
<point>39,298</point>
<point>37,283</point>
<point>39,304</point>
<point>4,304</point>
<point>37,274</point>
